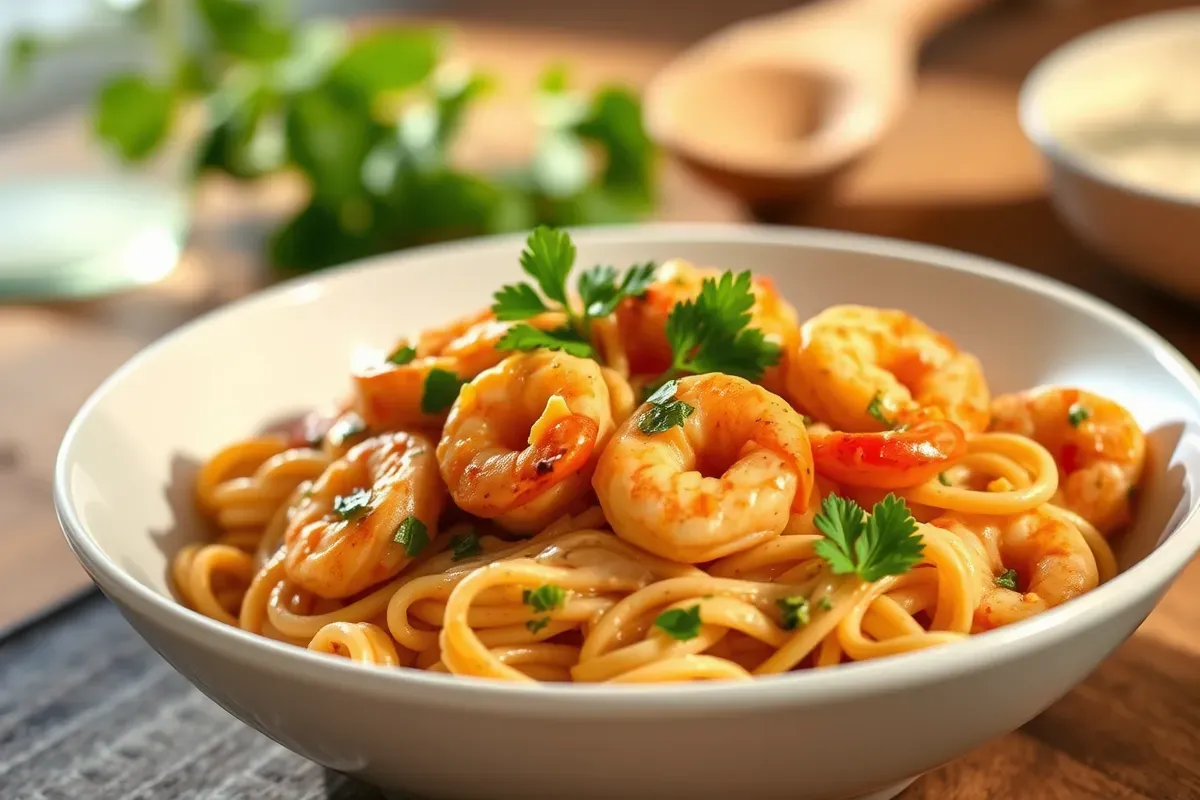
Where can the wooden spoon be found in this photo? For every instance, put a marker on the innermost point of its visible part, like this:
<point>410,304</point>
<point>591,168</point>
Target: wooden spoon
<point>771,108</point>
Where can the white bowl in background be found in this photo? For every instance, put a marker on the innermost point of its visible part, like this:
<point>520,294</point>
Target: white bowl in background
<point>1116,114</point>
<point>123,494</point>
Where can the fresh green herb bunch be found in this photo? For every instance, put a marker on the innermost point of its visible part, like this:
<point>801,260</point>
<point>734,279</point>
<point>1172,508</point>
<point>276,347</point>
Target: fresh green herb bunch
<point>369,124</point>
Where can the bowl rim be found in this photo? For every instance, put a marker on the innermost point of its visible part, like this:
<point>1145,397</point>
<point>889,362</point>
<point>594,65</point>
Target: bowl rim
<point>849,681</point>
<point>1032,118</point>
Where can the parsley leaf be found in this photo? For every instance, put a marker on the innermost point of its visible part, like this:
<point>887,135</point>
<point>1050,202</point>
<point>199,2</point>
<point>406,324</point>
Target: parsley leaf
<point>441,390</point>
<point>886,543</point>
<point>1077,414</point>
<point>544,598</point>
<point>664,412</point>
<point>680,623</point>
<point>548,257</point>
<point>525,337</point>
<point>353,505</point>
<point>536,625</point>
<point>517,301</point>
<point>710,333</point>
<point>413,534</point>
<point>875,409</point>
<point>1007,580</point>
<point>825,604</point>
<point>601,292</point>
<point>466,546</point>
<point>795,612</point>
<point>404,354</point>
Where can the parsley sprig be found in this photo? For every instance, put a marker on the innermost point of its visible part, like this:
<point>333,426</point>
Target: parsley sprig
<point>548,258</point>
<point>885,543</point>
<point>664,410</point>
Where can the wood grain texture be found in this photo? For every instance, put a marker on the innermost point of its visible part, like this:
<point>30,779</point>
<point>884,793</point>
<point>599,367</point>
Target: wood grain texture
<point>956,171</point>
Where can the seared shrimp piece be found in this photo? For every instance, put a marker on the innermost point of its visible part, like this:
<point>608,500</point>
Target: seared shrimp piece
<point>344,535</point>
<point>389,396</point>
<point>642,321</point>
<point>1026,563</point>
<point>854,358</point>
<point>897,459</point>
<point>1098,446</point>
<point>522,438</point>
<point>726,479</point>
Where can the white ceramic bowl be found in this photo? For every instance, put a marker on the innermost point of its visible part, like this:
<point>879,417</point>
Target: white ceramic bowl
<point>1106,78</point>
<point>123,496</point>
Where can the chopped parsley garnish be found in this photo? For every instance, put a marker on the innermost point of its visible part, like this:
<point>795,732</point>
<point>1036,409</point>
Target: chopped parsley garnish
<point>680,623</point>
<point>353,505</point>
<point>1077,414</point>
<point>943,480</point>
<point>795,612</point>
<point>665,411</point>
<point>885,543</point>
<point>536,625</point>
<point>466,546</point>
<point>346,428</point>
<point>548,258</point>
<point>825,604</point>
<point>413,534</point>
<point>544,598</point>
<point>711,333</point>
<point>875,409</point>
<point>402,355</point>
<point>1007,580</point>
<point>441,390</point>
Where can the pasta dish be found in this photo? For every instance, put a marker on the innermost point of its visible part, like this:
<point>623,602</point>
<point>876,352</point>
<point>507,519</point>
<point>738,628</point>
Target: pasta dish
<point>661,474</point>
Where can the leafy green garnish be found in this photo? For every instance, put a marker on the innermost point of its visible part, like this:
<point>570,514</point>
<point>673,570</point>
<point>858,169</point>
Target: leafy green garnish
<point>525,337</point>
<point>441,390</point>
<point>1007,580</point>
<point>544,598</point>
<point>602,288</point>
<point>466,546</point>
<point>413,534</point>
<point>404,354</point>
<point>943,480</point>
<point>1077,414</point>
<point>886,543</point>
<point>517,301</point>
<point>345,429</point>
<point>711,333</point>
<point>536,625</point>
<point>825,604</point>
<point>665,411</point>
<point>680,623</point>
<point>795,611</point>
<point>353,505</point>
<point>875,409</point>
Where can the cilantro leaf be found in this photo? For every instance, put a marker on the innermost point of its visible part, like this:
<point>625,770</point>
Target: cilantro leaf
<point>413,534</point>
<point>601,292</point>
<point>680,623</point>
<point>1007,580</point>
<point>664,412</point>
<point>795,611</point>
<point>875,409</point>
<point>466,546</point>
<point>353,505</point>
<point>517,301</point>
<point>1076,414</point>
<point>536,625</point>
<point>544,598</point>
<point>526,337</point>
<point>548,256</point>
<point>404,354</point>
<point>710,333</point>
<point>441,390</point>
<point>886,543</point>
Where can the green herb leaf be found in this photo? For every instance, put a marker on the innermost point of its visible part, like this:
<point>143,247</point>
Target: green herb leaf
<point>525,337</point>
<point>133,115</point>
<point>466,546</point>
<point>544,598</point>
<point>825,604</point>
<point>1007,580</point>
<point>943,480</point>
<point>1077,414</point>
<point>345,429</point>
<point>329,134</point>
<point>710,333</point>
<point>886,543</point>
<point>413,534</point>
<point>388,61</point>
<point>245,29</point>
<point>353,505</point>
<point>548,257</point>
<point>536,625</point>
<point>795,611</point>
<point>875,409</point>
<point>601,292</point>
<point>441,390</point>
<point>404,354</point>
<point>517,301</point>
<point>680,623</point>
<point>664,412</point>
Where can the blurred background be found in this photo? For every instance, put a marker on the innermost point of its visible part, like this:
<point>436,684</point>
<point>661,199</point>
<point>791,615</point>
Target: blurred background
<point>159,158</point>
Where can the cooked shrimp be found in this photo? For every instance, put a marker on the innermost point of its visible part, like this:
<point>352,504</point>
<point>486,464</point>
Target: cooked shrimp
<point>1050,558</point>
<point>390,396</point>
<point>854,358</point>
<point>890,459</point>
<point>726,479</point>
<point>343,536</point>
<point>1097,444</point>
<point>522,439</point>
<point>642,321</point>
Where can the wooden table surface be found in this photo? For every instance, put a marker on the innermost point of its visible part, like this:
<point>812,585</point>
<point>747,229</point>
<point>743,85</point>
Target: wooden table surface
<point>956,172</point>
